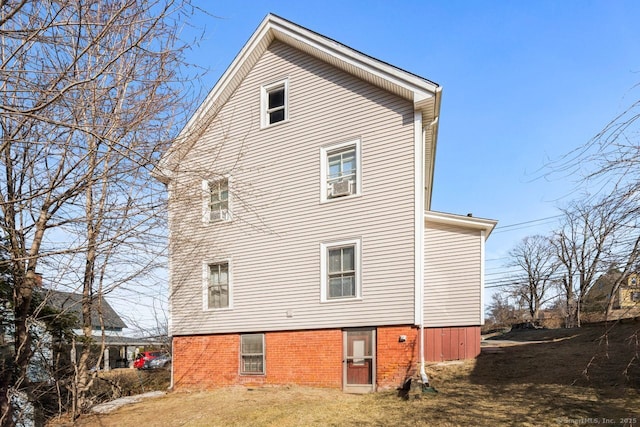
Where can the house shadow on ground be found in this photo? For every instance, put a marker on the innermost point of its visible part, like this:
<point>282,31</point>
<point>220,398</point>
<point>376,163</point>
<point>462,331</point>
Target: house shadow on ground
<point>584,373</point>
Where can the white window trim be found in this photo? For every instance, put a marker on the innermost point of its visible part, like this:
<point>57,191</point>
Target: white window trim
<point>206,198</point>
<point>205,284</point>
<point>324,248</point>
<point>324,150</point>
<point>264,356</point>
<point>264,99</point>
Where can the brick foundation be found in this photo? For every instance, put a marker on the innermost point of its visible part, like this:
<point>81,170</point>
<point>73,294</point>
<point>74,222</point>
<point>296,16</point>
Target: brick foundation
<point>396,361</point>
<point>312,358</point>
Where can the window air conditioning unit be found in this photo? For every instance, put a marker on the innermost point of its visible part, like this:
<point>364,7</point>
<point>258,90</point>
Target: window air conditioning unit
<point>218,215</point>
<point>341,188</point>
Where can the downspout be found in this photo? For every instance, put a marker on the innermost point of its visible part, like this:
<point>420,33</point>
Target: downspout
<point>170,186</point>
<point>423,372</point>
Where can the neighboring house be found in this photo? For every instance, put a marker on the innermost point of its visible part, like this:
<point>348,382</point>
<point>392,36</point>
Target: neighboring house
<point>103,316</point>
<point>104,320</point>
<point>119,350</point>
<point>52,346</point>
<point>303,248</point>
<point>57,308</point>
<point>627,296</point>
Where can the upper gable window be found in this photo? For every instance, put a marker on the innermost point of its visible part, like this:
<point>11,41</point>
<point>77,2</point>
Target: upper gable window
<point>340,172</point>
<point>216,200</point>
<point>274,103</point>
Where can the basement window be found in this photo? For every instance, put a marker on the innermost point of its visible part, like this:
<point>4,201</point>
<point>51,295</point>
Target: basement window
<point>252,354</point>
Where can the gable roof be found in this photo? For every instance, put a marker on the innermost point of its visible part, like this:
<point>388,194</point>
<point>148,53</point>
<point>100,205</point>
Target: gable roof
<point>424,93</point>
<point>71,303</point>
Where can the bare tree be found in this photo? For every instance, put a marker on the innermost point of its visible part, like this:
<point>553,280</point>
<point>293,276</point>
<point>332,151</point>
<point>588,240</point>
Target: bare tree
<point>501,313</point>
<point>534,258</point>
<point>608,165</point>
<point>626,242</point>
<point>584,246</point>
<point>90,93</point>
<point>563,245</point>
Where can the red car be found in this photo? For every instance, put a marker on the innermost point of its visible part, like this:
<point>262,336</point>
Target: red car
<point>143,359</point>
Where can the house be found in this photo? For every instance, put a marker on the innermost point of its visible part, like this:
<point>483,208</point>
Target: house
<point>303,247</point>
<point>625,297</point>
<point>59,308</point>
<point>105,323</point>
<point>628,295</point>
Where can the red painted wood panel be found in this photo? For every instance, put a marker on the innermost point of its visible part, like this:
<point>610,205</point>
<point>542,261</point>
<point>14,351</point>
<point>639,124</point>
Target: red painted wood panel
<point>454,343</point>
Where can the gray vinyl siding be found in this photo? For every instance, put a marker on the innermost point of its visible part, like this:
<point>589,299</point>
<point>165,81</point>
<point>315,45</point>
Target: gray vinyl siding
<point>279,222</point>
<point>452,290</point>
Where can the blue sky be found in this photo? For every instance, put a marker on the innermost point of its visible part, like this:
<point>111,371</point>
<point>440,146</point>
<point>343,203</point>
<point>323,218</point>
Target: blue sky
<point>523,84</point>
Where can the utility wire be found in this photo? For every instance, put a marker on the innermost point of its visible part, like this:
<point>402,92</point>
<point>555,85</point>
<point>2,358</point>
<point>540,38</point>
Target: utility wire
<point>526,224</point>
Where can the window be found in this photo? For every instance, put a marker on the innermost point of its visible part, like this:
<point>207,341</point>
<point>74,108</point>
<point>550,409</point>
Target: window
<point>635,296</point>
<point>340,170</point>
<point>218,285</point>
<point>340,271</point>
<point>252,354</point>
<point>216,200</point>
<point>274,103</point>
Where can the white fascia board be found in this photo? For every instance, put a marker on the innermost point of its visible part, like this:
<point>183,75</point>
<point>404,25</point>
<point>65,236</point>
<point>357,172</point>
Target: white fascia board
<point>462,221</point>
<point>275,27</point>
<point>230,73</point>
<point>225,80</point>
<point>422,89</point>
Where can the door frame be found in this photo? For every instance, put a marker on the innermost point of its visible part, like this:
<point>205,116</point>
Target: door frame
<point>358,388</point>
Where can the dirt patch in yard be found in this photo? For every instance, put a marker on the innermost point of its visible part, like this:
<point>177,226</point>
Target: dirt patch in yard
<point>563,377</point>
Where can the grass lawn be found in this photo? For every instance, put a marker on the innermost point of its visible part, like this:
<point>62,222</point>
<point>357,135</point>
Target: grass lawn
<point>553,377</point>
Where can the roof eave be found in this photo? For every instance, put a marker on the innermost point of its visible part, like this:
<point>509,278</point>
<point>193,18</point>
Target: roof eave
<point>418,90</point>
<point>461,220</point>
